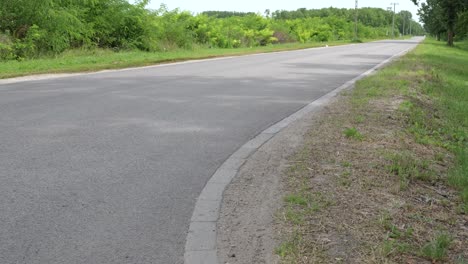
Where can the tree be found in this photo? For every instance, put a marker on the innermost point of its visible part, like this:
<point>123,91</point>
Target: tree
<point>405,16</point>
<point>445,11</point>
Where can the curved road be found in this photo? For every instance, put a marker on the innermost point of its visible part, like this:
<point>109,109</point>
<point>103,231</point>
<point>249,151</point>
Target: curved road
<point>106,167</point>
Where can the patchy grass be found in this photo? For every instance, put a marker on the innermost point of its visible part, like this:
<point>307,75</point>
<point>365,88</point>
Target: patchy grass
<point>437,249</point>
<point>409,168</point>
<point>400,195</point>
<point>98,59</point>
<point>353,133</point>
<point>458,177</point>
<point>302,202</point>
<point>290,248</point>
<point>439,116</point>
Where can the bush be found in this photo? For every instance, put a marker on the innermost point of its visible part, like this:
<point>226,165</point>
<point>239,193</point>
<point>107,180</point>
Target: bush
<point>6,52</point>
<point>45,27</point>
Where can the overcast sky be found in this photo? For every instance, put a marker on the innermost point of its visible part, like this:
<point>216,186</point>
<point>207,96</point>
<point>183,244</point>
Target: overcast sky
<point>261,5</point>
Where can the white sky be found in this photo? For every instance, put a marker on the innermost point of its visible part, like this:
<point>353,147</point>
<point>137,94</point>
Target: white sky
<point>261,5</point>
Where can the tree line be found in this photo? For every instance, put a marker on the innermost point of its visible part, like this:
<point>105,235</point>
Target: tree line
<point>29,29</point>
<point>445,19</point>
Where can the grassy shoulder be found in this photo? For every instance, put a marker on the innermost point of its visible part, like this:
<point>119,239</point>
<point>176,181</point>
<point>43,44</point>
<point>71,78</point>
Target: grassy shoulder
<point>95,60</point>
<point>383,177</point>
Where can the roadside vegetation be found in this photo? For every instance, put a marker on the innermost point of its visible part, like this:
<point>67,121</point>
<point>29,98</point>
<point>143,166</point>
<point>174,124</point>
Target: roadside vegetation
<point>99,59</point>
<point>66,36</point>
<point>383,176</point>
<point>444,19</point>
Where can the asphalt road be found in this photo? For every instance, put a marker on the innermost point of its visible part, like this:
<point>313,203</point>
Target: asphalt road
<point>106,168</point>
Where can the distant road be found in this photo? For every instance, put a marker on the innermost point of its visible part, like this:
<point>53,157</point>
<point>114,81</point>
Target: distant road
<point>106,168</point>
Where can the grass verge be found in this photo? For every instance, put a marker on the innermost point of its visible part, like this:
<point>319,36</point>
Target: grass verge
<point>99,59</point>
<point>399,194</point>
<point>94,60</point>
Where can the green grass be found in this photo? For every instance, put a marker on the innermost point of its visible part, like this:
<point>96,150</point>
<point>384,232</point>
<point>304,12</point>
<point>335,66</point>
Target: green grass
<point>98,59</point>
<point>458,177</point>
<point>397,240</point>
<point>437,249</point>
<point>409,168</point>
<point>296,199</point>
<point>302,204</point>
<point>433,79</point>
<point>445,123</point>
<point>353,133</point>
<point>290,247</point>
<point>359,119</point>
<point>344,179</point>
<point>390,247</point>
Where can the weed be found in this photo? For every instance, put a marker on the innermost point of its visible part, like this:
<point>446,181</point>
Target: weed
<point>360,119</point>
<point>439,157</point>
<point>385,219</point>
<point>294,216</point>
<point>345,179</point>
<point>290,247</point>
<point>406,106</point>
<point>353,133</point>
<point>408,168</point>
<point>390,247</point>
<point>437,248</point>
<point>395,232</point>
<point>295,199</point>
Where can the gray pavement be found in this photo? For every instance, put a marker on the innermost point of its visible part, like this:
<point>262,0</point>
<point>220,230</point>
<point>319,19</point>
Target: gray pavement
<point>107,167</point>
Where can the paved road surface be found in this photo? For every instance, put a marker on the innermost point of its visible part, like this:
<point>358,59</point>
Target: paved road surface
<point>106,168</point>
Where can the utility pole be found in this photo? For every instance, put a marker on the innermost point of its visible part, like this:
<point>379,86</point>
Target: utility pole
<point>389,9</point>
<point>404,23</point>
<point>356,21</point>
<point>393,20</point>
<point>410,24</point>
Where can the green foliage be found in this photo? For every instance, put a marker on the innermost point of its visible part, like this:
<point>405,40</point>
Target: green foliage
<point>50,27</point>
<point>445,17</point>
<point>370,19</point>
<point>225,14</point>
<point>78,60</point>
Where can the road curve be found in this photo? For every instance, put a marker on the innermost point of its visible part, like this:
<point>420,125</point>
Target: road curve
<point>107,167</point>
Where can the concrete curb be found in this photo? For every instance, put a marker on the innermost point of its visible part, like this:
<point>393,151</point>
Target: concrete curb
<point>201,243</point>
